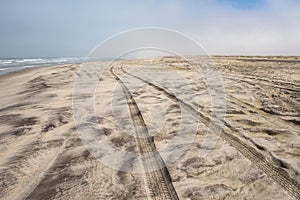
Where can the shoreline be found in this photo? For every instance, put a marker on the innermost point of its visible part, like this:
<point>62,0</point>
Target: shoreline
<point>31,69</point>
<point>267,58</point>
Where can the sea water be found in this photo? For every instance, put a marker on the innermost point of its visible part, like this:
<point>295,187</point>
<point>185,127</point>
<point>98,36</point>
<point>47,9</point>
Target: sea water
<point>8,65</point>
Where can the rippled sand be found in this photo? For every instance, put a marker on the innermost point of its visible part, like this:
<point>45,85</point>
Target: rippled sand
<point>256,156</point>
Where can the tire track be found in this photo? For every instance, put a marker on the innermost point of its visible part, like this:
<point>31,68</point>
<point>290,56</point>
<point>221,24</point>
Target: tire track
<point>277,82</point>
<point>251,107</point>
<point>277,174</point>
<point>158,179</point>
<point>252,82</point>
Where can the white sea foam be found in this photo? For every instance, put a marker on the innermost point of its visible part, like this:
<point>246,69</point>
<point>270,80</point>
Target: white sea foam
<point>14,64</point>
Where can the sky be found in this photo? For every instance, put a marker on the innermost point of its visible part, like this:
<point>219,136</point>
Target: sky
<point>59,28</point>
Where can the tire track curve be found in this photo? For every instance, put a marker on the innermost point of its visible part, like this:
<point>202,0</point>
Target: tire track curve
<point>277,174</point>
<point>158,179</point>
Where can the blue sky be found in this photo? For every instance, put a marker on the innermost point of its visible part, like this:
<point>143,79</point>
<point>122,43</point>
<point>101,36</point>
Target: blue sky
<point>243,4</point>
<point>35,28</point>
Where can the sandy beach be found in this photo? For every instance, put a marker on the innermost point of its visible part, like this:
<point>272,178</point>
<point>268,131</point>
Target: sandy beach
<point>255,156</point>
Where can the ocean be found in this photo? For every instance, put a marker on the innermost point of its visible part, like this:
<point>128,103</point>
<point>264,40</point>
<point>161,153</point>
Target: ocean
<point>8,65</point>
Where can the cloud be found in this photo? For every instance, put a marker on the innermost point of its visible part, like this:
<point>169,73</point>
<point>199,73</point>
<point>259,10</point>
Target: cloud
<point>64,28</point>
<point>269,30</point>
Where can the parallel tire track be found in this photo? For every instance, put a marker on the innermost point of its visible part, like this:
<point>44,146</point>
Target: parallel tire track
<point>252,82</point>
<point>276,82</point>
<point>277,174</point>
<point>158,179</point>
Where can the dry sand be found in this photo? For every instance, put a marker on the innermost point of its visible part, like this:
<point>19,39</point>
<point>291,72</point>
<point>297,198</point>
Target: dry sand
<point>256,157</point>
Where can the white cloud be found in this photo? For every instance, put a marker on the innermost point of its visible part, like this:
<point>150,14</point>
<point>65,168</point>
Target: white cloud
<point>68,27</point>
<point>273,29</point>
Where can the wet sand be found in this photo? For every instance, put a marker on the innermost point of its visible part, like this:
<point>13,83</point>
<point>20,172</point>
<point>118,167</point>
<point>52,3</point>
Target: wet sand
<point>256,156</point>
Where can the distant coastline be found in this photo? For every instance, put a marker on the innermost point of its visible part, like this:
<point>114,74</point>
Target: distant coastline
<point>8,65</point>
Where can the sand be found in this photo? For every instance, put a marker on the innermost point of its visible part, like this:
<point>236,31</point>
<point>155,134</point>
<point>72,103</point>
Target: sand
<point>256,156</point>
